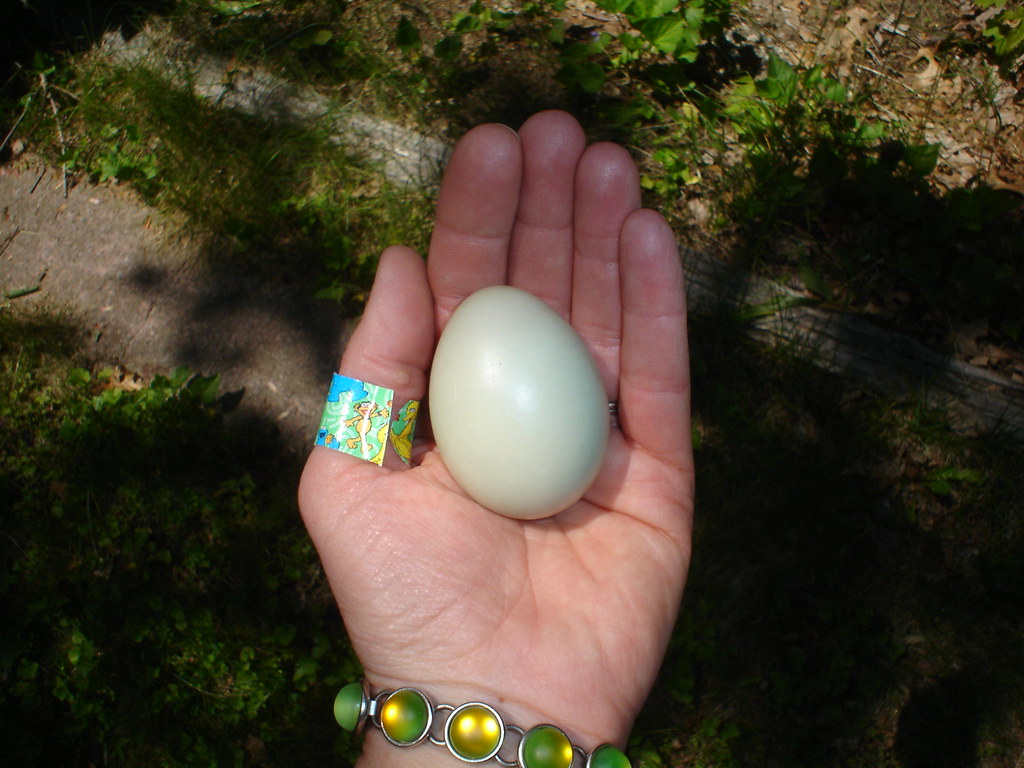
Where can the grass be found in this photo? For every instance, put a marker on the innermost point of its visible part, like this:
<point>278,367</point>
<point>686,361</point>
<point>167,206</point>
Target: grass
<point>856,594</point>
<point>154,572</point>
<point>837,584</point>
<point>244,184</point>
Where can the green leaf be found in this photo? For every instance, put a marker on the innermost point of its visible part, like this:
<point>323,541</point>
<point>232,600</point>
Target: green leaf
<point>814,281</point>
<point>205,387</point>
<point>958,475</point>
<point>502,19</point>
<point>665,33</point>
<point>871,131</point>
<point>233,7</point>
<point>780,82</point>
<point>694,15</point>
<point>773,307</point>
<point>833,90</point>
<point>42,63</point>
<point>1010,43</point>
<point>110,166</point>
<point>577,53</point>
<point>614,6</point>
<point>79,377</point>
<point>556,31</point>
<point>921,158</point>
<point>407,36</point>
<point>178,377</point>
<point>588,76</point>
<point>651,9</point>
<point>310,38</point>
<point>942,481</point>
<point>465,21</point>
<point>448,48</point>
<point>28,670</point>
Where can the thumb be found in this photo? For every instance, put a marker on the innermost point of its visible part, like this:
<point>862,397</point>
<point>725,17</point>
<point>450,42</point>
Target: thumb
<point>390,348</point>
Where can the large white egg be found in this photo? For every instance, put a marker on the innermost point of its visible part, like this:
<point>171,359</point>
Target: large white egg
<point>517,407</point>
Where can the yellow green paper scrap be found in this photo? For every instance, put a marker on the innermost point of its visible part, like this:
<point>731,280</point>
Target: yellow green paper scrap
<point>402,429</point>
<point>357,420</point>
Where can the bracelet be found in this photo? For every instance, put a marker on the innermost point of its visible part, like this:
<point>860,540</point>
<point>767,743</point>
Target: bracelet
<point>473,732</point>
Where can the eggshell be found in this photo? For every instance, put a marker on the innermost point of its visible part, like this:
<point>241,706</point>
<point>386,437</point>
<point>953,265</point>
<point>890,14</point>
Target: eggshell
<point>517,407</point>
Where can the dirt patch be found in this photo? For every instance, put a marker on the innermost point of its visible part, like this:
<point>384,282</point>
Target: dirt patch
<point>147,300</point>
<point>922,61</point>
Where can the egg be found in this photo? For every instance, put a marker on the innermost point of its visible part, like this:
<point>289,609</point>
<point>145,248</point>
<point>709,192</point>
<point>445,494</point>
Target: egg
<point>517,407</point>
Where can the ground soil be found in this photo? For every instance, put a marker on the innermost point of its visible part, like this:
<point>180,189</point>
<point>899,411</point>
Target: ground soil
<point>148,299</point>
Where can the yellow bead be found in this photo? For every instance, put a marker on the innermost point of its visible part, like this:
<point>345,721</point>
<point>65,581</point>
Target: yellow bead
<point>474,732</point>
<point>405,716</point>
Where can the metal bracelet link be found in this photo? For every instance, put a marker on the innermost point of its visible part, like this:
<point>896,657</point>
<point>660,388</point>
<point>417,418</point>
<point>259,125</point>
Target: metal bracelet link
<point>473,732</point>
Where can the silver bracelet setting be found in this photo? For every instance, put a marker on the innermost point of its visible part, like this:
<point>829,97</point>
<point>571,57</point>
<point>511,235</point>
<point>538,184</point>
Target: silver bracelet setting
<point>473,732</point>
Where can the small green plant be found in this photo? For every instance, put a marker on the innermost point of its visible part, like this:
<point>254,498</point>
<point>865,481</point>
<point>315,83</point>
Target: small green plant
<point>788,111</point>
<point>662,31</point>
<point>260,182</point>
<point>478,17</point>
<point>1005,32</point>
<point>122,158</point>
<point>165,605</point>
<point>943,480</point>
<point>670,27</point>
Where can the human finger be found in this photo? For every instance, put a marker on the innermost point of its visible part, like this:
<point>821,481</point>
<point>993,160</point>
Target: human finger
<point>607,191</point>
<point>541,252</point>
<point>654,379</point>
<point>388,355</point>
<point>476,209</point>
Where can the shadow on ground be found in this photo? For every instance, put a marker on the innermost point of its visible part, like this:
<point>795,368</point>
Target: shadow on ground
<point>840,612</point>
<point>163,602</point>
<point>842,609</point>
<point>49,28</point>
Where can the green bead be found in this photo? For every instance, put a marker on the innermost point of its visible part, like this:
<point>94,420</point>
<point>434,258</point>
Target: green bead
<point>545,747</point>
<point>348,706</point>
<point>474,732</point>
<point>607,756</point>
<point>405,716</point>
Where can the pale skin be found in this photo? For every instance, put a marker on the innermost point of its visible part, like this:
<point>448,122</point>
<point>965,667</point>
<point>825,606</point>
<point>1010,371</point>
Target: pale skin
<point>564,620</point>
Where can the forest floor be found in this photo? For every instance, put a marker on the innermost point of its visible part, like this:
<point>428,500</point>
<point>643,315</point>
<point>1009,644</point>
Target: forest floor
<point>856,594</point>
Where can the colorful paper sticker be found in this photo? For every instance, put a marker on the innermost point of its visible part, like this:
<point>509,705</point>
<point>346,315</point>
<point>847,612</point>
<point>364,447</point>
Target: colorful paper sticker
<point>402,429</point>
<point>356,418</point>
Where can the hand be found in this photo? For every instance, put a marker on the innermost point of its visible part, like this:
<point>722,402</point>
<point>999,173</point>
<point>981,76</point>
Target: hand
<point>563,620</point>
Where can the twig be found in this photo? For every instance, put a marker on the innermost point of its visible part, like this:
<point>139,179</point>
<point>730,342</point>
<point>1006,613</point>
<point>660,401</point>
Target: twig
<point>17,293</point>
<point>16,123</point>
<point>60,130</point>
<point>63,146</point>
<point>6,243</point>
<point>890,78</point>
<point>38,179</point>
<point>66,92</point>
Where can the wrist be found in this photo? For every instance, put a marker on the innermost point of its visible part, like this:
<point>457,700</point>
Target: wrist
<point>414,727</point>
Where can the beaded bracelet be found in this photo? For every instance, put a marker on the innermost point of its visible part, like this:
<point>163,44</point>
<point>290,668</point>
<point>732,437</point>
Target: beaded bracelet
<point>473,732</point>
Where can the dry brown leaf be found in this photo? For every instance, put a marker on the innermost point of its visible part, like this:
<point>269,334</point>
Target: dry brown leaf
<point>931,73</point>
<point>843,39</point>
<point>997,354</point>
<point>858,24</point>
<point>995,181</point>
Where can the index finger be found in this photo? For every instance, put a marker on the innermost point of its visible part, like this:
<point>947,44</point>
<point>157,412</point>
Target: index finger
<point>476,211</point>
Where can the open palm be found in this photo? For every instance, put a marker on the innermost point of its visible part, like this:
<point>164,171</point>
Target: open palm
<point>562,620</point>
